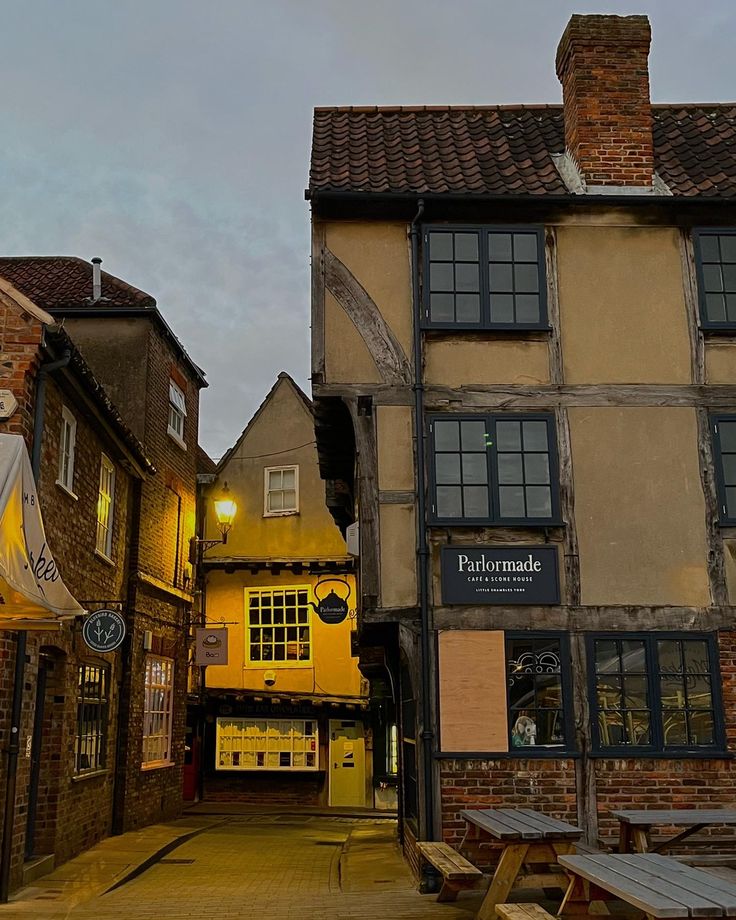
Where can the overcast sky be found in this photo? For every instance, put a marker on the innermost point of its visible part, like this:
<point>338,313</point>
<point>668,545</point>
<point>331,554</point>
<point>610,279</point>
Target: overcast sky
<point>171,138</point>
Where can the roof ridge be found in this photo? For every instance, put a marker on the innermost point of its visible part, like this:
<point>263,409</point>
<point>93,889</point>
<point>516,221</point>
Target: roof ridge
<point>505,107</point>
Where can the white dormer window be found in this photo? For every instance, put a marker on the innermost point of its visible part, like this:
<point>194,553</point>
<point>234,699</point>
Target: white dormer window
<point>177,413</point>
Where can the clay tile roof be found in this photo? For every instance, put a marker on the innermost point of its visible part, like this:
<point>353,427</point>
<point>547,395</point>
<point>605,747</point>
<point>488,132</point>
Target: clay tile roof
<point>502,150</point>
<point>54,282</point>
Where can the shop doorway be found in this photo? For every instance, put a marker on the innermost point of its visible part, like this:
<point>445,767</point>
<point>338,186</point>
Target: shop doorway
<point>347,764</point>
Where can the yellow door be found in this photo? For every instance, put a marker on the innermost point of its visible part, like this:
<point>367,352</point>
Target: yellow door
<point>347,764</point>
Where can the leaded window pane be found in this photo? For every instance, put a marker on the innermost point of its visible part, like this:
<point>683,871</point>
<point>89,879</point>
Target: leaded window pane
<point>716,253</point>
<point>535,692</point>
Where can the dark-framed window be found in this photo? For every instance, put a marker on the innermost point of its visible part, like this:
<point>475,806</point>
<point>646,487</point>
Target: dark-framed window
<point>480,277</point>
<point>715,260</point>
<point>655,692</point>
<point>93,688</point>
<point>494,469</point>
<point>723,428</point>
<point>539,692</point>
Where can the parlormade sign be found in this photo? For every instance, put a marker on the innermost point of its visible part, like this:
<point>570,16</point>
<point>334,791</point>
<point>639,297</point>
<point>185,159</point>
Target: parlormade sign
<point>8,404</point>
<point>500,575</point>
<point>103,630</point>
<point>210,646</point>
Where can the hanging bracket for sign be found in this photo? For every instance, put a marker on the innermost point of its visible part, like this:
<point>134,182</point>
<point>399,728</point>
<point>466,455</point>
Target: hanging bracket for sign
<point>332,608</point>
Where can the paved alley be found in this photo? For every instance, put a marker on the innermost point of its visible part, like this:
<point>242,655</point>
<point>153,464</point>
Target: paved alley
<point>282,867</point>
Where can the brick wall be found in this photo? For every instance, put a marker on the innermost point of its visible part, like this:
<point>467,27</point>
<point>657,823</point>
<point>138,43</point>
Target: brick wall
<point>266,788</point>
<point>20,337</point>
<point>602,65</point>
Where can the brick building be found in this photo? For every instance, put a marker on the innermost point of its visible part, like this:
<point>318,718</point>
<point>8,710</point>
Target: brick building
<point>523,369</point>
<point>71,700</point>
<point>138,365</point>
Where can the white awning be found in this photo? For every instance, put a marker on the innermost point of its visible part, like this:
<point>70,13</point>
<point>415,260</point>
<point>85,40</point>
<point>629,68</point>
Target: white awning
<point>32,593</point>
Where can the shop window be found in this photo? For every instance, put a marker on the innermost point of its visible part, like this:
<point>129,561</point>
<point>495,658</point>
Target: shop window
<point>158,710</point>
<point>409,760</point>
<point>392,750</point>
<point>715,255</point>
<point>484,278</point>
<point>105,507</point>
<point>539,698</point>
<point>655,692</point>
<point>93,687</point>
<point>267,744</point>
<point>67,443</point>
<point>494,469</point>
<point>281,491</point>
<point>279,625</point>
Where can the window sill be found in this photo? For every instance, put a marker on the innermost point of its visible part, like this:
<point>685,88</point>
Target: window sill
<point>176,439</point>
<point>516,754</point>
<point>157,765</point>
<point>68,491</point>
<point>103,557</point>
<point>92,774</point>
<point>276,666</point>
<point>708,754</point>
<point>502,329</point>
<point>718,329</point>
<point>273,514</point>
<point>463,522</point>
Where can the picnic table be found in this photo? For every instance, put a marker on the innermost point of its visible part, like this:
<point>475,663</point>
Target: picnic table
<point>658,885</point>
<point>529,839</point>
<point>636,826</point>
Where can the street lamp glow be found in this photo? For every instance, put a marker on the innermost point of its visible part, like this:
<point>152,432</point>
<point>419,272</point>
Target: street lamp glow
<point>225,510</point>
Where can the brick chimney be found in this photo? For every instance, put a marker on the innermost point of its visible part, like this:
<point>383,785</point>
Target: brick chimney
<point>602,65</point>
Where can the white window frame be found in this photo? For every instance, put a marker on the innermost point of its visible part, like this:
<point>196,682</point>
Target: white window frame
<point>67,443</point>
<point>267,591</point>
<point>105,508</point>
<point>258,745</point>
<point>158,710</point>
<point>267,490</point>
<point>177,414</point>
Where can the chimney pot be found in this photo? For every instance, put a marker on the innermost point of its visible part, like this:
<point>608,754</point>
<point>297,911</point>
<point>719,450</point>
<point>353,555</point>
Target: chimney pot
<point>96,278</point>
<point>602,63</point>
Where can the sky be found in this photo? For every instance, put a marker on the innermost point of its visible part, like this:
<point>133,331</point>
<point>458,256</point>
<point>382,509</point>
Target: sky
<point>171,138</point>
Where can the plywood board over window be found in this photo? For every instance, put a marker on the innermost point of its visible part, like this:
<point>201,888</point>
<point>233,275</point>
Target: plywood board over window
<point>472,672</point>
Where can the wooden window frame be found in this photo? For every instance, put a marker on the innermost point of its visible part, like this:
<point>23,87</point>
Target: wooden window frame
<point>265,767</point>
<point>724,518</point>
<point>657,748</point>
<point>164,713</point>
<point>105,501</point>
<point>544,750</point>
<point>68,424</point>
<point>495,519</point>
<point>177,410</point>
<point>707,324</point>
<point>101,703</point>
<point>267,491</point>
<point>274,663</point>
<point>483,231</point>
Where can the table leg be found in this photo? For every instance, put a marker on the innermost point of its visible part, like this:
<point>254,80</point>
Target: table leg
<point>503,879</point>
<point>624,838</point>
<point>641,839</point>
<point>576,898</point>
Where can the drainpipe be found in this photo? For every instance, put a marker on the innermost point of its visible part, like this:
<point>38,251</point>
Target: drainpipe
<point>20,650</point>
<point>422,547</point>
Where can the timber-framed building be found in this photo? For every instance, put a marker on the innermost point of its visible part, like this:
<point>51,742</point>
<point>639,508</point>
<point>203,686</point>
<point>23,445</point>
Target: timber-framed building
<point>524,377</point>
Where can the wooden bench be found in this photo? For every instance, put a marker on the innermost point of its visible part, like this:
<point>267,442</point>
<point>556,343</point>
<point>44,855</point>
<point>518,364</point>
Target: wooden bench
<point>457,873</point>
<point>522,912</point>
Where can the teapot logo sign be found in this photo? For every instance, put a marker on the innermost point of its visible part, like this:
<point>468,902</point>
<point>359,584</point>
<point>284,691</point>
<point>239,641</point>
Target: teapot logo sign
<point>104,630</point>
<point>332,608</point>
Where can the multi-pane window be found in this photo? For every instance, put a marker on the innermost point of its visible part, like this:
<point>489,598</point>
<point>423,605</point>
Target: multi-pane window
<point>494,469</point>
<point>278,624</point>
<point>105,507</point>
<point>724,443</point>
<point>715,252</point>
<point>267,744</point>
<point>281,490</point>
<point>538,691</point>
<point>177,412</point>
<point>93,687</point>
<point>67,440</point>
<point>656,692</point>
<point>479,277</point>
<point>157,710</point>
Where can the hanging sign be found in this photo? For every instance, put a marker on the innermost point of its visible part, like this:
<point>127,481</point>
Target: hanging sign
<point>8,404</point>
<point>332,608</point>
<point>104,630</point>
<point>500,575</point>
<point>210,646</point>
